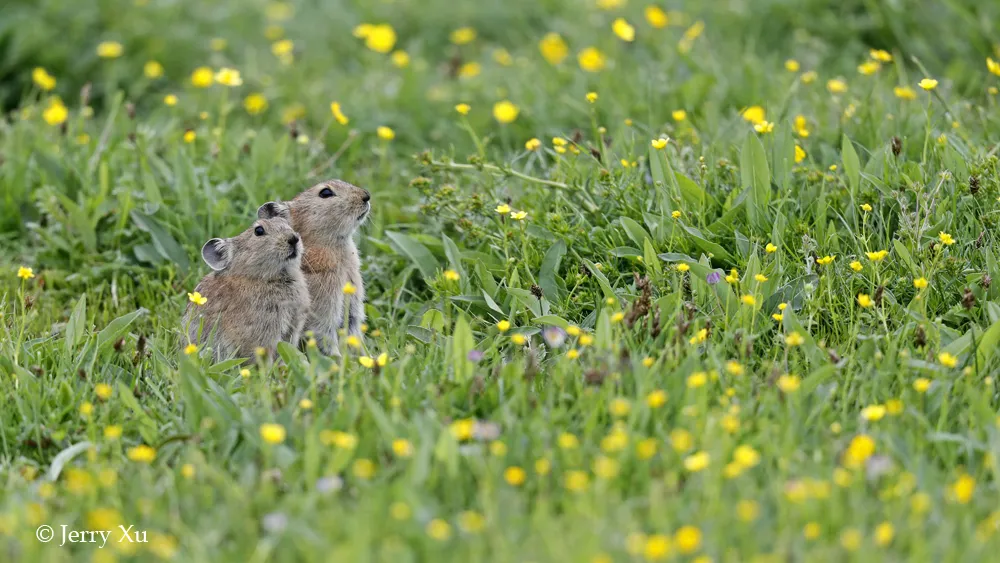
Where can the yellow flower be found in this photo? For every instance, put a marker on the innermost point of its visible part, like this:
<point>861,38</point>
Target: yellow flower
<point>576,480</point>
<point>778,317</point>
<point>920,283</point>
<point>255,103</point>
<point>880,55</point>
<point>884,533</point>
<point>697,461</point>
<point>518,339</point>
<point>687,539</point>
<point>170,100</point>
<point>463,36</point>
<point>859,450</point>
<point>656,16</point>
<point>865,301</point>
<point>400,58</point>
<point>754,114</point>
<point>190,136</point>
<point>380,38</point>
<point>877,256</point>
<point>851,539</point>
<point>338,115</point>
<point>532,144</point>
<point>462,109</point>
<point>658,143</point>
<point>471,522</point>
<point>826,260</point>
<point>438,529</point>
<point>856,266</point>
<point>748,300</point>
<point>605,467</point>
<point>152,69</point>
<point>56,113</point>
<point>591,59</point>
<point>792,65</point>
<point>620,407</point>
<point>43,79</point>
<point>385,133</point>
<point>272,433</point>
<point>110,50</point>
<point>747,510</point>
<point>103,391</point>
<point>502,57</point>
<point>836,86</point>
<point>683,267</point>
<point>354,342</point>
<point>904,93</point>
<point>811,531</point>
<point>963,489</point>
<point>502,209</point>
<point>947,360</point>
<point>993,66</point>
<point>654,548</point>
<point>402,447</point>
<point>623,30</point>
<point>86,409</point>
<point>366,361</point>
<point>794,339</point>
<point>25,273</point>
<point>191,349</point>
<point>617,317</point>
<point>868,68</point>
<point>656,399</point>
<point>678,115</point>
<point>518,215</point>
<point>451,275</point>
<point>505,111</point>
<point>228,77</point>
<point>763,127</point>
<point>382,360</point>
<point>553,48</point>
<point>648,361</point>
<point>760,277</point>
<point>746,456</point>
<point>946,239</point>
<point>142,454</point>
<point>928,84</point>
<point>503,326</point>
<point>469,70</point>
<point>770,248</point>
<point>202,77</point>
<point>610,4</point>
<point>873,413</point>
<point>789,383</point>
<point>921,384</point>
<point>676,214</point>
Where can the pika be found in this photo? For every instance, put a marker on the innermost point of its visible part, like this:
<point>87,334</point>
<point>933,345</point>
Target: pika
<point>326,215</point>
<point>256,295</point>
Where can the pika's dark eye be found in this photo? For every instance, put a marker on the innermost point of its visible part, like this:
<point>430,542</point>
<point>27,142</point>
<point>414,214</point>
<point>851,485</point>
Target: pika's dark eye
<point>326,192</point>
<point>259,231</point>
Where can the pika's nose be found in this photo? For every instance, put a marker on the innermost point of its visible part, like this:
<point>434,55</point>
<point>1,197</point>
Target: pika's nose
<point>367,196</point>
<point>293,240</point>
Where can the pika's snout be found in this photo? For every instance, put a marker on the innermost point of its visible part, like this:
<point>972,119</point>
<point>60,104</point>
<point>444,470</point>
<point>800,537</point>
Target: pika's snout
<point>293,240</point>
<point>366,195</point>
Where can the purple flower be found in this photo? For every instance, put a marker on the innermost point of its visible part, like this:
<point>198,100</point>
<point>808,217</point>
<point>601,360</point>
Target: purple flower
<point>474,355</point>
<point>713,277</point>
<point>554,336</point>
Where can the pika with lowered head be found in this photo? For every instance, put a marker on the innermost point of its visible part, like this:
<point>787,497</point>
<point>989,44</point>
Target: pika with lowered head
<point>256,294</point>
<point>326,216</point>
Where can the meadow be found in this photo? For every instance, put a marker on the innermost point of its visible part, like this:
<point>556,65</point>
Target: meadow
<point>647,281</point>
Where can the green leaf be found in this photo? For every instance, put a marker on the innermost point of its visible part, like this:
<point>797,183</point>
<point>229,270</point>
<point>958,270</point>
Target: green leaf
<point>549,274</point>
<point>602,280</point>
<point>657,165</point>
<point>690,191</point>
<point>707,246</point>
<point>852,166</point>
<point>454,258</point>
<point>75,327</point>
<point>988,344</point>
<point>755,175</point>
<point>461,344</point>
<point>551,320</point>
<point>116,328</point>
<point>603,336</point>
<point>634,230</point>
<point>904,254</point>
<point>166,245</point>
<point>650,259</point>
<point>416,252</point>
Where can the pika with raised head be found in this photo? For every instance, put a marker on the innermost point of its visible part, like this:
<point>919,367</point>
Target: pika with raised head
<point>326,216</point>
<point>256,294</point>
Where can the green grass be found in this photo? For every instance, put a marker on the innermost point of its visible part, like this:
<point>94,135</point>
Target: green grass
<point>839,432</point>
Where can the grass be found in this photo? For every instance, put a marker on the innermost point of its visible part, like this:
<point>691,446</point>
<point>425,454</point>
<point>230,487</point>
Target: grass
<point>771,338</point>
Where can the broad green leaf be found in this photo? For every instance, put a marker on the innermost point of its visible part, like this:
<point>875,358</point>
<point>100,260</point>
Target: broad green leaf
<point>117,328</point>
<point>549,273</point>
<point>650,259</point>
<point>690,191</point>
<point>852,166</point>
<point>552,320</point>
<point>602,280</point>
<point>75,327</point>
<point>756,176</point>
<point>454,259</point>
<point>987,347</point>
<point>904,254</point>
<point>166,245</point>
<point>708,247</point>
<point>634,230</point>
<point>416,252</point>
<point>461,344</point>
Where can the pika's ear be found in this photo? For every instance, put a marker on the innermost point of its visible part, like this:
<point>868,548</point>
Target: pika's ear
<point>216,254</point>
<point>273,209</point>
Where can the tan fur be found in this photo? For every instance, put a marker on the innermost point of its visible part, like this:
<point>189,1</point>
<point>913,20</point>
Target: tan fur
<point>331,260</point>
<point>257,297</point>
